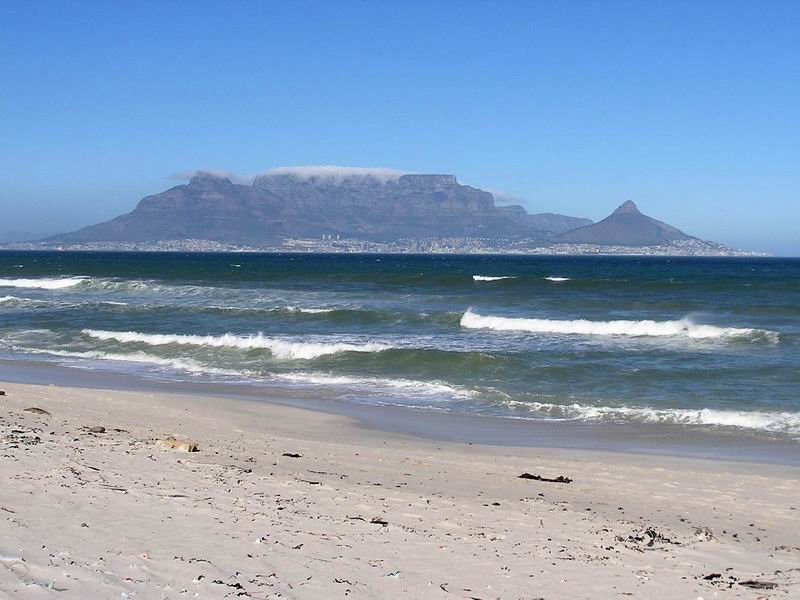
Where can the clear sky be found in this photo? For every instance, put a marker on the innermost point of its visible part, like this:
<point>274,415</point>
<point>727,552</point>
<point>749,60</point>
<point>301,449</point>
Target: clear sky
<point>690,108</point>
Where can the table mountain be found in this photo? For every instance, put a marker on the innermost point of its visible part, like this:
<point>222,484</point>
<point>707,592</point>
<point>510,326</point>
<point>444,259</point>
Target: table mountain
<point>288,204</point>
<point>626,226</point>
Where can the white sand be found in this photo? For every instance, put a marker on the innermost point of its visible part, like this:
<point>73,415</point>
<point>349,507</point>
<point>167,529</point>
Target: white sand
<point>113,515</point>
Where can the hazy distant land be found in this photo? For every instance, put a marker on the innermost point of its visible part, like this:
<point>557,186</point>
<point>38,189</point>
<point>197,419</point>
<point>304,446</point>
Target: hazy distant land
<point>319,209</point>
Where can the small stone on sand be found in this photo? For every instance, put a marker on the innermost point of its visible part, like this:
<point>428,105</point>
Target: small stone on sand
<point>174,444</point>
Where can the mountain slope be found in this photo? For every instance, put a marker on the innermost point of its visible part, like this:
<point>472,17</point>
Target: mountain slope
<point>626,226</point>
<point>295,204</point>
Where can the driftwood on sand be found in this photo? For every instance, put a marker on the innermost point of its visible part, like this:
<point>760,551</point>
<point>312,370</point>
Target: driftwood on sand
<point>559,479</point>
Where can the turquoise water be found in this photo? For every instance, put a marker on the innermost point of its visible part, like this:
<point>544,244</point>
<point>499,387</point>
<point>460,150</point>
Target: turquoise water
<point>705,343</point>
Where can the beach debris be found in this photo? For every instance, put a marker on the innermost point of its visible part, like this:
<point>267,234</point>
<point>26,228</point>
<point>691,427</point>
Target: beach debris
<point>559,479</point>
<point>718,580</point>
<point>19,436</point>
<point>2,393</point>
<point>339,475</point>
<point>236,585</point>
<point>379,521</point>
<point>704,534</point>
<point>308,481</point>
<point>36,410</point>
<point>292,455</point>
<point>96,429</point>
<point>174,444</point>
<point>648,537</point>
<point>759,585</point>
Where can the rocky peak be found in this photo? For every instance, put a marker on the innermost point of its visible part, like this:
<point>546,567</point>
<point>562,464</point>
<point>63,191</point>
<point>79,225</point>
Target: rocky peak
<point>626,208</point>
<point>626,226</point>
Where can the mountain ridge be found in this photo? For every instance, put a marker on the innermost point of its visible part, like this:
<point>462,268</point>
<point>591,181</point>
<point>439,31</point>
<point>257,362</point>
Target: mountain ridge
<point>282,205</point>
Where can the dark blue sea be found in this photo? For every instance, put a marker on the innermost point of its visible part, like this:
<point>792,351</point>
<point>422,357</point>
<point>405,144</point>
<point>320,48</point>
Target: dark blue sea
<point>706,344</point>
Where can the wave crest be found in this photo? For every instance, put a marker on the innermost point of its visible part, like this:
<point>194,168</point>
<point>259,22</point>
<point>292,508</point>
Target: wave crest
<point>182,364</point>
<point>491,277</point>
<point>279,348</point>
<point>410,386</point>
<point>775,422</point>
<point>44,283</point>
<point>645,328</point>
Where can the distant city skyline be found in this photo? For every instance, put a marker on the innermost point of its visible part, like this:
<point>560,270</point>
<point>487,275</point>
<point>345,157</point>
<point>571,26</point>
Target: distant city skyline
<point>689,109</point>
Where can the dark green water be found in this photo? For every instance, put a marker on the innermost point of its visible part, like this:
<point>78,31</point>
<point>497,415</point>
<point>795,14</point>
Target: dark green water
<point>707,343</point>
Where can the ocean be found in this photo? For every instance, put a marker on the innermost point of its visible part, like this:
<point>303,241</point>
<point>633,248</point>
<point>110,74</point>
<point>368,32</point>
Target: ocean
<point>705,344</point>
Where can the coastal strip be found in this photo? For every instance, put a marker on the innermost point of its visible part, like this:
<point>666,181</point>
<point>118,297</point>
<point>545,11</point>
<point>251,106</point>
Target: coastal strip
<point>103,497</point>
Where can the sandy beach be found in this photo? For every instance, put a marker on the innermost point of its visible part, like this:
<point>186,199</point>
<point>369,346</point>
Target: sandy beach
<point>282,502</point>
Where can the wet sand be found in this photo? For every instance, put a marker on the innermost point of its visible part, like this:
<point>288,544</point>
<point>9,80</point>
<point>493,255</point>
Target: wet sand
<point>637,438</point>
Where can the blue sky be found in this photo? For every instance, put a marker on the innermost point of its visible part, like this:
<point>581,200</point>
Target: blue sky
<point>692,109</point>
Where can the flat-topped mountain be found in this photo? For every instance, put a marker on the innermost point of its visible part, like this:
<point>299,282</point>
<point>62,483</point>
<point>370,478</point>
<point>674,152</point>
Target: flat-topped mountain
<point>626,226</point>
<point>309,202</point>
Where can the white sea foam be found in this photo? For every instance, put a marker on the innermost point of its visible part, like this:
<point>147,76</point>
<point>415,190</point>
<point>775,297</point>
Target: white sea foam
<point>279,348</point>
<point>776,422</point>
<point>557,279</point>
<point>491,277</point>
<point>138,285</point>
<point>16,301</point>
<point>58,303</point>
<point>409,386</point>
<point>182,364</point>
<point>44,283</point>
<point>272,309</point>
<point>311,311</point>
<point>645,328</point>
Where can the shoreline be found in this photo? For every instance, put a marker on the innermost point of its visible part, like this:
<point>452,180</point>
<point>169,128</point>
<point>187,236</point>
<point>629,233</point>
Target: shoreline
<point>363,513</point>
<point>669,440</point>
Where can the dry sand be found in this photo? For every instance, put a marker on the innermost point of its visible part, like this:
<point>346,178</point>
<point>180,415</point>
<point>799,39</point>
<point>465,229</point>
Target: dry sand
<point>361,513</point>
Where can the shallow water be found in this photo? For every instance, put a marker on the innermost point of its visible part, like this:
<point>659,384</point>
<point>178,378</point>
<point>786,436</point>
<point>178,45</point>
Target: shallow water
<point>702,344</point>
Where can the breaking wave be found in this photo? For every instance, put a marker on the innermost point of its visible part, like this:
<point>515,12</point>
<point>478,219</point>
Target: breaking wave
<point>44,283</point>
<point>775,422</point>
<point>409,386</point>
<point>491,277</point>
<point>279,348</point>
<point>557,279</point>
<point>289,309</point>
<point>645,328</point>
<point>310,311</point>
<point>182,364</point>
